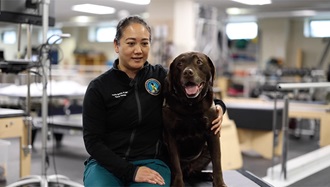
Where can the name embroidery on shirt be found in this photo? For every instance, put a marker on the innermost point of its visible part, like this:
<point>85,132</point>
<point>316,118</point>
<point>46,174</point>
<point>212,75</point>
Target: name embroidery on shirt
<point>153,86</point>
<point>120,94</point>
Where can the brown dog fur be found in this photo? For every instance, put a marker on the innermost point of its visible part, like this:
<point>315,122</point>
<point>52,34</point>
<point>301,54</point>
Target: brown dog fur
<point>188,114</point>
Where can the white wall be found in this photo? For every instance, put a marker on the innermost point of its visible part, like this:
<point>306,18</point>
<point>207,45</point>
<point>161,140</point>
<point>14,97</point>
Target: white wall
<point>312,48</point>
<point>283,38</point>
<point>273,39</point>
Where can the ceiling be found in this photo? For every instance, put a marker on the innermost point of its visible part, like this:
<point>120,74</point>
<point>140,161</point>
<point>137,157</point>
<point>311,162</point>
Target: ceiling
<point>279,8</point>
<point>65,15</point>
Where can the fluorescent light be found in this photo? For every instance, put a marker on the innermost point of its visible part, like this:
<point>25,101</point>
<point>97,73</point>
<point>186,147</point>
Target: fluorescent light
<point>83,19</point>
<point>136,2</point>
<point>93,9</point>
<point>254,2</point>
<point>243,30</point>
<point>233,11</point>
<point>304,13</point>
<point>237,11</point>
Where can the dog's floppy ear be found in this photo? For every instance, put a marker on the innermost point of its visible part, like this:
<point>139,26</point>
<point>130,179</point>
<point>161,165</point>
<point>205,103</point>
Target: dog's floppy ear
<point>212,69</point>
<point>167,85</point>
<point>168,80</point>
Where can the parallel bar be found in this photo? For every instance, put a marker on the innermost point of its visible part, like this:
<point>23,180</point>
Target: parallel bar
<point>308,85</point>
<point>292,87</point>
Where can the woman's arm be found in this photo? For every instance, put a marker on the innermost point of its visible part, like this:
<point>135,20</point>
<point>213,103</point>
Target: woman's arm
<point>221,109</point>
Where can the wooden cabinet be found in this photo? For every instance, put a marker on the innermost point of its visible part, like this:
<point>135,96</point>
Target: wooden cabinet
<point>90,59</point>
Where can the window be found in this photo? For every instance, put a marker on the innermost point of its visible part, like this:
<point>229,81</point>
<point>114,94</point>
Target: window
<point>102,33</point>
<point>234,30</point>
<point>105,34</point>
<point>51,35</point>
<point>8,37</point>
<point>317,28</point>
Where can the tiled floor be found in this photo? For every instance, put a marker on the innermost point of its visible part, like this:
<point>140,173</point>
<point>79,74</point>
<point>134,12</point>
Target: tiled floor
<point>68,159</point>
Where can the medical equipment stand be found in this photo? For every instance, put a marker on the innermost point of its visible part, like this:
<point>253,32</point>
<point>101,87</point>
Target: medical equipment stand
<point>43,179</point>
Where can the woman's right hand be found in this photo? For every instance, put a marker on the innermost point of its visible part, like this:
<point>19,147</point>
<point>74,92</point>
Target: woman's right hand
<point>145,174</point>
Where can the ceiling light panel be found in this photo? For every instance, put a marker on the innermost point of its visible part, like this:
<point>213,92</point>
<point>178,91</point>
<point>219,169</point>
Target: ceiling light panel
<point>254,2</point>
<point>93,9</point>
<point>136,2</point>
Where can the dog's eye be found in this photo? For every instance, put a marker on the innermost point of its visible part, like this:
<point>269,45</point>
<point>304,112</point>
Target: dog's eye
<point>199,62</point>
<point>179,64</point>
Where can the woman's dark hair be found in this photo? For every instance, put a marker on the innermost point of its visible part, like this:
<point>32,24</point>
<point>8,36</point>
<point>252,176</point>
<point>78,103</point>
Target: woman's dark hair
<point>128,21</point>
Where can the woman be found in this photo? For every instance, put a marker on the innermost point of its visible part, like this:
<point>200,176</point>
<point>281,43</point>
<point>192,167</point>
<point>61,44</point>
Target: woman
<point>122,116</point>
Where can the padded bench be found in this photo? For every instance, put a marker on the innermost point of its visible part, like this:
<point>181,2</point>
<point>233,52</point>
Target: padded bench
<point>254,122</point>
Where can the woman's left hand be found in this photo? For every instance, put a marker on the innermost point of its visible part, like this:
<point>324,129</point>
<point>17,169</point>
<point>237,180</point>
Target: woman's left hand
<point>218,121</point>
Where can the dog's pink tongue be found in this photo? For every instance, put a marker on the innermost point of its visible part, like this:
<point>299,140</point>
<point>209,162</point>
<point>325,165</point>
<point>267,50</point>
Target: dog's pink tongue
<point>191,90</point>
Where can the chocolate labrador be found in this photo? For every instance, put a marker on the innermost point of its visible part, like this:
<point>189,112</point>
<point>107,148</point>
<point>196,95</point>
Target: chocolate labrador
<point>188,114</point>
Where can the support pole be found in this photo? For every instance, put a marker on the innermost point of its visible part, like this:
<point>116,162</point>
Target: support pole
<point>45,180</point>
<point>285,137</point>
<point>28,77</point>
<point>44,104</point>
<point>275,134</point>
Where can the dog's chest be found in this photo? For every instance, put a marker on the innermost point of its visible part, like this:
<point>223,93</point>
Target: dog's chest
<point>191,133</point>
<point>190,128</point>
<point>190,125</point>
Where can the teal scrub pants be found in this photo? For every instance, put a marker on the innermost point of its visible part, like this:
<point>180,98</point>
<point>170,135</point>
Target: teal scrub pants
<point>97,176</point>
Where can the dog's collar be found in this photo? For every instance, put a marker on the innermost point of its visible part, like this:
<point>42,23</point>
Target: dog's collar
<point>189,159</point>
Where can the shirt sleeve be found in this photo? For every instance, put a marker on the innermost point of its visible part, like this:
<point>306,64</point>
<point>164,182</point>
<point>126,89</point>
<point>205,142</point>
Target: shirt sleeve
<point>222,104</point>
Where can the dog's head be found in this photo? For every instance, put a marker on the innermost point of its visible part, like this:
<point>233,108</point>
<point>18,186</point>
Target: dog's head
<point>190,75</point>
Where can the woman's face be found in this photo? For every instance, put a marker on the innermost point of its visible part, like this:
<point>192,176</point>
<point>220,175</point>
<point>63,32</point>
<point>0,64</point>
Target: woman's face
<point>133,48</point>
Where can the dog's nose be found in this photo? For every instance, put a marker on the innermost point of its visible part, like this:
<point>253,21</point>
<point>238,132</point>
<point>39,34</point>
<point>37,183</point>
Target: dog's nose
<point>188,72</point>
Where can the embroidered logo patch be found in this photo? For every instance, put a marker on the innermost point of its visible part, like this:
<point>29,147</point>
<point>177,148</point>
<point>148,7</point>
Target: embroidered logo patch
<point>153,86</point>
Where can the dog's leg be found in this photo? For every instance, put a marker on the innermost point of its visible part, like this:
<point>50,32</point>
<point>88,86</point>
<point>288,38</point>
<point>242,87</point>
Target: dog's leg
<point>169,124</point>
<point>214,146</point>
<point>177,176</point>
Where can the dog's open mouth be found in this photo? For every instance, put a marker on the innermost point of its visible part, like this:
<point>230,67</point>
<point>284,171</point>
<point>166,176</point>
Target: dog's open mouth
<point>193,89</point>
